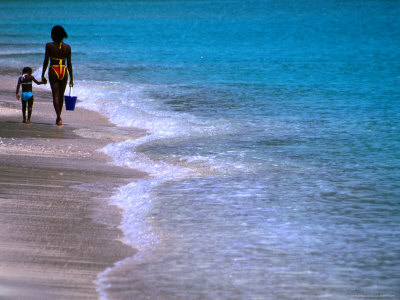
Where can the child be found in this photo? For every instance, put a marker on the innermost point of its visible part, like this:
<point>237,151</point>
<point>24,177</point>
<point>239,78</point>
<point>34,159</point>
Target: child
<point>26,95</point>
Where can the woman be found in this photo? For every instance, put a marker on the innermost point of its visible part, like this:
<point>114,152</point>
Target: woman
<point>59,53</point>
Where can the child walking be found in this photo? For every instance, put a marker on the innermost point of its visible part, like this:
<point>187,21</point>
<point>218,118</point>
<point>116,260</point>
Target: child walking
<point>26,96</point>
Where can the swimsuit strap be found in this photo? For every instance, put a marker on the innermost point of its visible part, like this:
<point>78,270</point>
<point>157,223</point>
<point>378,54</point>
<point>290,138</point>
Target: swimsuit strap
<point>60,45</point>
<point>57,58</point>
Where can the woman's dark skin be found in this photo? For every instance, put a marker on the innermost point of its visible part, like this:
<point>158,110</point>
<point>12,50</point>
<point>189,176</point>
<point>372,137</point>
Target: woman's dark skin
<point>58,86</point>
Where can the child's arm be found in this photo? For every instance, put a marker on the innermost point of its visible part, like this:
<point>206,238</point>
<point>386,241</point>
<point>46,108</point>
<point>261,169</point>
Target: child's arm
<point>18,85</point>
<point>39,82</point>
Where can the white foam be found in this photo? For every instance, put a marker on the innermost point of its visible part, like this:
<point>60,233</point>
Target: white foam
<point>127,105</point>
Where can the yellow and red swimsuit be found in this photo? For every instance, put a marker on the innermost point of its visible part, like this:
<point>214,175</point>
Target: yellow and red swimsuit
<point>60,68</point>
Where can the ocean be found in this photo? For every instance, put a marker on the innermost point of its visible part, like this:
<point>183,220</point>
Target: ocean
<point>273,147</point>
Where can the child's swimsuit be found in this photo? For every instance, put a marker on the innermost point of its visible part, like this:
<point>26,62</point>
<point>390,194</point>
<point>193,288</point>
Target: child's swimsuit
<point>60,69</point>
<point>26,96</point>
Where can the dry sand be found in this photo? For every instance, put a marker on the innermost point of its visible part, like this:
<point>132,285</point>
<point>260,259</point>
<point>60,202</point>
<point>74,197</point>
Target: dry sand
<point>57,230</point>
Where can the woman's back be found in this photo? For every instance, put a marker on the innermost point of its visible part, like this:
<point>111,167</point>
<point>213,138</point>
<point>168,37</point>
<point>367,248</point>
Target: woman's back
<point>55,51</point>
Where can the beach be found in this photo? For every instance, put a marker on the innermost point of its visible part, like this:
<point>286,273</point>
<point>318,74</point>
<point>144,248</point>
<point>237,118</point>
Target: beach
<point>266,165</point>
<point>58,231</point>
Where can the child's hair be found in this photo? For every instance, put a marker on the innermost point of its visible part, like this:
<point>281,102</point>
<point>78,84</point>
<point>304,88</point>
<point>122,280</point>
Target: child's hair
<point>27,70</point>
<point>58,34</point>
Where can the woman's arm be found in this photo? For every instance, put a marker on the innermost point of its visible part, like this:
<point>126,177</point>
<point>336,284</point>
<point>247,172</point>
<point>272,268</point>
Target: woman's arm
<point>45,62</point>
<point>69,66</point>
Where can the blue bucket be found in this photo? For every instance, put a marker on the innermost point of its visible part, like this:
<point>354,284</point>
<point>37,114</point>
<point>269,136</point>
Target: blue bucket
<point>70,101</point>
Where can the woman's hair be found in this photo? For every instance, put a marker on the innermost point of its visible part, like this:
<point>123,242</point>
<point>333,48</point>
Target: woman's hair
<point>58,34</point>
<point>27,70</point>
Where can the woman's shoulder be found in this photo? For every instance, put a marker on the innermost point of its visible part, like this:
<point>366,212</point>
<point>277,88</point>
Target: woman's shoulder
<point>53,50</point>
<point>55,46</point>
<point>66,46</point>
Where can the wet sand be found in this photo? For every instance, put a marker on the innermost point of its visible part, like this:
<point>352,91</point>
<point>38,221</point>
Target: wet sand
<point>57,230</point>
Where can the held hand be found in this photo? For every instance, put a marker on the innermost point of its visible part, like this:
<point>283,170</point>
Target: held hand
<point>44,80</point>
<point>18,96</point>
<point>71,84</point>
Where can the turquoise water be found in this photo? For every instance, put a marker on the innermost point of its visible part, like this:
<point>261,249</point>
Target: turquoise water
<point>274,145</point>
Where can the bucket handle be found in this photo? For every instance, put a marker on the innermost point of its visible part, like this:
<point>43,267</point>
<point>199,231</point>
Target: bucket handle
<point>70,90</point>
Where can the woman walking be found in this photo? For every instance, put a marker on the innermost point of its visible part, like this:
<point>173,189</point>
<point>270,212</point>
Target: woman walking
<point>59,55</point>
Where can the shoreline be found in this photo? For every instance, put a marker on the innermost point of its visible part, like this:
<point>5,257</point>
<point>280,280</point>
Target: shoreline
<point>58,229</point>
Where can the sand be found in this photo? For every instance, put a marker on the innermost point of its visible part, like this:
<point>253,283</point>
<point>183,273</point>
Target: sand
<point>57,228</point>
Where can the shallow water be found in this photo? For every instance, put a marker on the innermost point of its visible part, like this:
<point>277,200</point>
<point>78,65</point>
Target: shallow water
<point>274,145</point>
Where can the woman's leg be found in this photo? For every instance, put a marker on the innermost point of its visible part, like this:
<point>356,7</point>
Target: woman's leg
<point>55,89</point>
<point>58,89</point>
<point>63,85</point>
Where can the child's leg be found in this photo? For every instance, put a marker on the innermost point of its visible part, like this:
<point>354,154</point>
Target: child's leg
<point>23,110</point>
<point>30,107</point>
